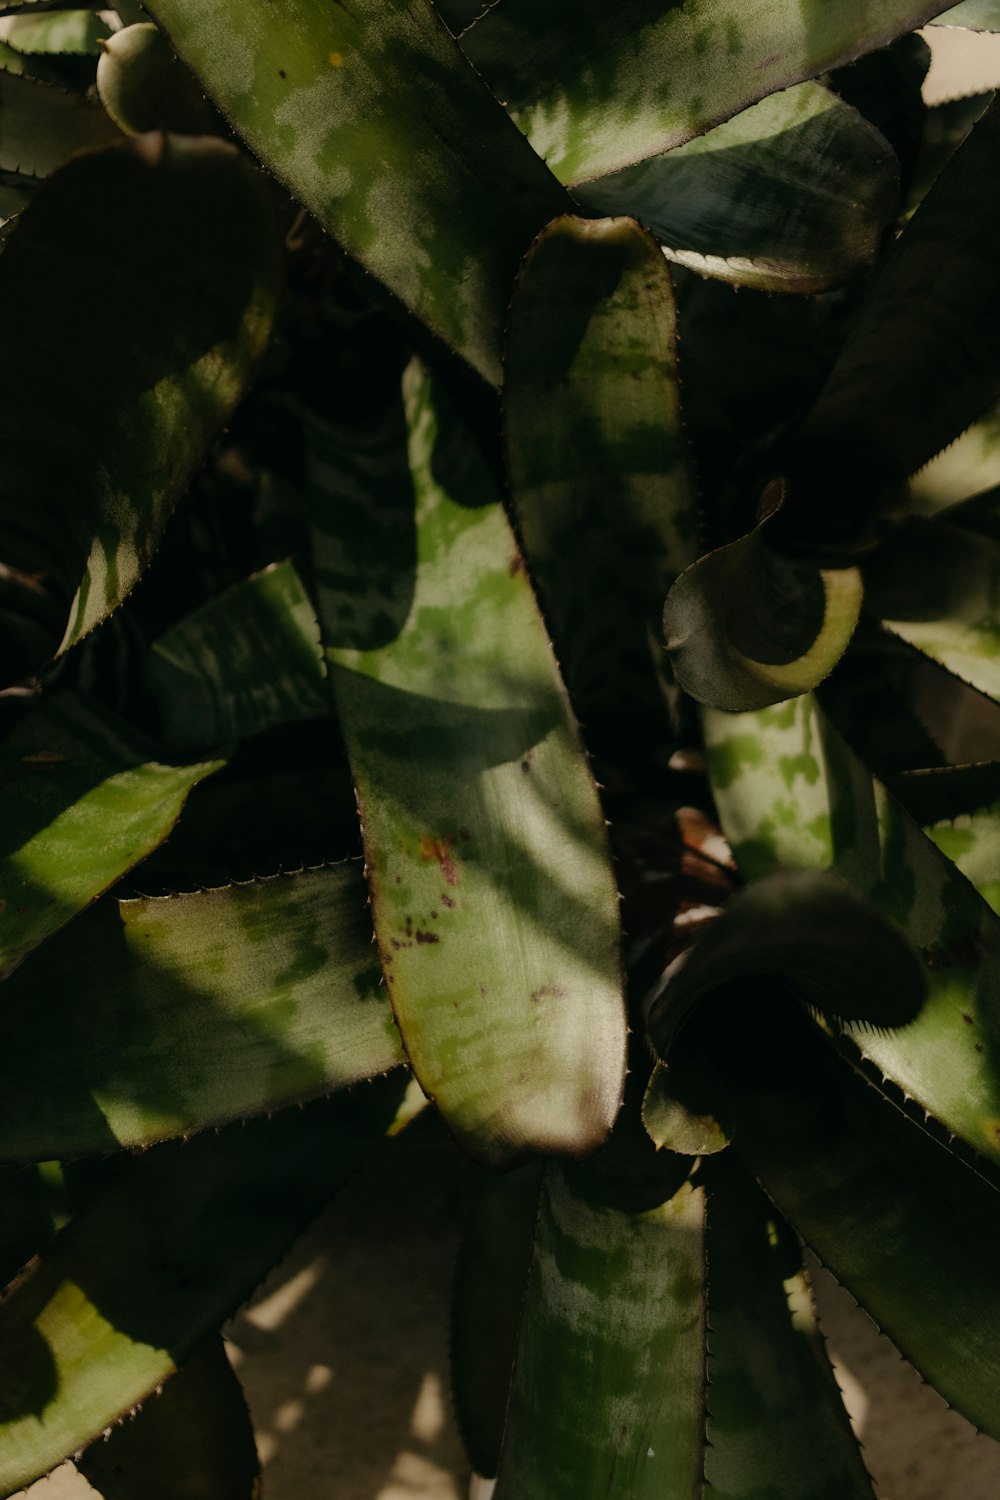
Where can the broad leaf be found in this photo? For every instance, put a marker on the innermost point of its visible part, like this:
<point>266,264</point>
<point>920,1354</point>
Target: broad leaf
<point>493,897</point>
<point>791,195</point>
<point>776,1421</point>
<point>599,477</point>
<point>42,126</point>
<point>975,15</point>
<point>68,33</point>
<point>790,793</point>
<point>747,626</point>
<point>490,1282</point>
<point>192,235</point>
<point>937,587</point>
<point>374,120</point>
<point>149,1018</point>
<point>135,1283</point>
<point>84,799</point>
<point>607,1401</point>
<point>596,88</point>
<point>249,659</point>
<point>194,1441</point>
<point>143,86</point>
<point>884,1206</point>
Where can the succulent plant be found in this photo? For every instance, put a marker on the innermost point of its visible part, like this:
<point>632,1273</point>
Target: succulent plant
<point>499,599</point>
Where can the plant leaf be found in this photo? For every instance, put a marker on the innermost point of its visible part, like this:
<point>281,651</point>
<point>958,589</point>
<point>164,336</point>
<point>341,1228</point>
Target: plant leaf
<point>937,587</point>
<point>180,1238</point>
<point>42,126</point>
<point>150,1018</point>
<point>67,33</point>
<point>747,626</point>
<point>598,472</point>
<point>376,123</point>
<point>194,1441</point>
<point>616,1291</point>
<point>972,842</point>
<point>776,1421</point>
<point>968,467</point>
<point>596,88</point>
<point>884,1206</point>
<point>192,235</point>
<point>920,362</point>
<point>84,800</point>
<point>490,1282</point>
<point>247,660</point>
<point>975,15</point>
<point>143,86</point>
<point>790,793</point>
<point>790,195</point>
<point>493,897</point>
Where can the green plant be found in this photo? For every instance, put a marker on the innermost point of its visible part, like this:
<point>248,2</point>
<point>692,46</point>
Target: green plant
<point>257,564</point>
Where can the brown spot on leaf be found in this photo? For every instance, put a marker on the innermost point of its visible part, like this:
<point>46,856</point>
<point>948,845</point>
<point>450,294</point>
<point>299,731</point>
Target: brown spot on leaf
<point>967,1018</point>
<point>526,763</point>
<point>439,849</point>
<point>547,992</point>
<point>427,937</point>
<point>516,565</point>
<point>447,900</point>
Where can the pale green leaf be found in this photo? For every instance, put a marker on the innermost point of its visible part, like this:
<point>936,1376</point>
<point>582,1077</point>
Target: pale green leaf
<point>975,15</point>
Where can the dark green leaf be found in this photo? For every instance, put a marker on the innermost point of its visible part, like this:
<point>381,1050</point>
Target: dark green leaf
<point>373,119</point>
<point>143,86</point>
<point>193,239</point>
<point>194,1441</point>
<point>493,896</point>
<point>84,800</point>
<point>180,1238</point>
<point>791,195</point>
<point>42,126</point>
<point>149,1018</point>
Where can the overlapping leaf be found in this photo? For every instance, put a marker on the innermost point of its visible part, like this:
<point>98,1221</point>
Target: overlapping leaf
<point>144,87</point>
<point>179,1239</point>
<point>975,15</point>
<point>128,420</point>
<point>374,120</point>
<point>41,126</point>
<point>150,1018</point>
<point>493,898</point>
<point>84,799</point>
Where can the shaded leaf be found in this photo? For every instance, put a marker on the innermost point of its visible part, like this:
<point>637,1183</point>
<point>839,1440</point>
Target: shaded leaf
<point>937,587</point>
<point>776,1421</point>
<point>194,1441</point>
<point>490,1283</point>
<point>607,1401</point>
<point>493,897</point>
<point>42,126</point>
<point>178,1240</point>
<point>790,793</point>
<point>792,194</point>
<point>598,472</point>
<point>377,124</point>
<point>248,659</point>
<point>972,842</point>
<point>150,1018</point>
<point>143,86</point>
<point>85,798</point>
<point>747,626</point>
<point>596,88</point>
<point>945,127</point>
<point>189,228</point>
<point>968,467</point>
<point>675,1125</point>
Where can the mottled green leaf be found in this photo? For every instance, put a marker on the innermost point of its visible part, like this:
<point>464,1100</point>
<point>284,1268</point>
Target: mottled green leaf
<point>374,120</point>
<point>42,126</point>
<point>84,799</point>
<point>809,928</point>
<point>791,794</point>
<point>249,659</point>
<point>193,1441</point>
<point>490,1282</point>
<point>975,15</point>
<point>607,1401</point>
<point>791,195</point>
<point>193,239</point>
<point>882,1204</point>
<point>598,87</point>
<point>598,471</point>
<point>972,842</point>
<point>149,1018</point>
<point>178,1240</point>
<point>493,897</point>
<point>921,360</point>
<point>938,588</point>
<point>65,32</point>
<point>747,626</point>
<point>143,86</point>
<point>776,1421</point>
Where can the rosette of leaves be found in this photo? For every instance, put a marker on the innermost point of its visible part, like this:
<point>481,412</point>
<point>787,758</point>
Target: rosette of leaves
<point>374,373</point>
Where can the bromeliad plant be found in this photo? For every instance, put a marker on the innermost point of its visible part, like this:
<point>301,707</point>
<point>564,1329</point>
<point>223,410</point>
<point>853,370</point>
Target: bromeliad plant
<point>356,486</point>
